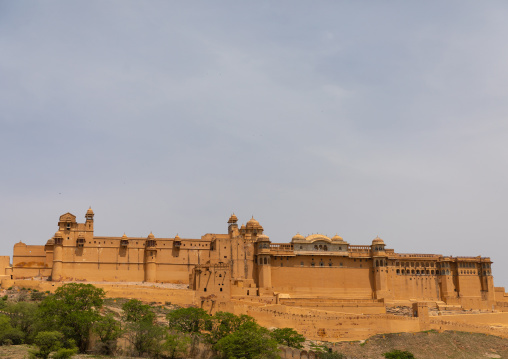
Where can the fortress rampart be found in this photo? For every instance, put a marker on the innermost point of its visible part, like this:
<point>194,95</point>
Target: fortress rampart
<point>309,283</point>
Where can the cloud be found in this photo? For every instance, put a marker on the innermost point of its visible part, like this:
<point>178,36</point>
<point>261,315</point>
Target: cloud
<point>352,118</point>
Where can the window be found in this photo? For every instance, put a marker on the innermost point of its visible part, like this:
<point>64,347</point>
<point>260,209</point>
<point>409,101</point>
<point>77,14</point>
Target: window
<point>301,264</point>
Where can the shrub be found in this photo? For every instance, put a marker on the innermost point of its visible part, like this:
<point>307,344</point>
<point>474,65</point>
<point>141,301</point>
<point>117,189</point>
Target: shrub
<point>398,354</point>
<point>47,342</point>
<point>64,353</point>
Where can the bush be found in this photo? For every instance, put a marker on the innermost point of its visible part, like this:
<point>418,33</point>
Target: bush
<point>65,353</point>
<point>9,334</point>
<point>47,342</point>
<point>398,354</point>
<point>331,355</point>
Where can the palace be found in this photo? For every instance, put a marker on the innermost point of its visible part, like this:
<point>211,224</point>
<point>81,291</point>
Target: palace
<point>243,271</point>
<point>244,263</point>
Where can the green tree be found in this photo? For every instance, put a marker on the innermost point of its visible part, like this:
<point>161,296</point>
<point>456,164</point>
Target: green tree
<point>135,311</point>
<point>176,345</point>
<point>25,319</point>
<point>398,354</point>
<point>288,337</point>
<point>108,330</point>
<point>47,342</point>
<point>188,320</point>
<point>225,323</point>
<point>73,310</point>
<point>143,333</point>
<point>9,334</point>
<point>250,341</point>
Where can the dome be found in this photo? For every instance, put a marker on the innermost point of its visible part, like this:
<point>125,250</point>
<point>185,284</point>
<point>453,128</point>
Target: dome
<point>298,237</point>
<point>89,211</point>
<point>263,238</point>
<point>377,240</point>
<point>233,219</point>
<point>151,236</point>
<point>177,238</point>
<point>124,236</point>
<point>50,242</point>
<point>243,226</point>
<point>252,223</point>
<point>58,234</point>
<point>337,238</point>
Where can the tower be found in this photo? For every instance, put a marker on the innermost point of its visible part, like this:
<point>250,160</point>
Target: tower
<point>150,259</point>
<point>233,226</point>
<point>89,220</point>
<point>263,260</point>
<point>379,265</point>
<point>56,273</point>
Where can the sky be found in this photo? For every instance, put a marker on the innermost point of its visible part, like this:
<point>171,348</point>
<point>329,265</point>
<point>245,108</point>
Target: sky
<point>361,119</point>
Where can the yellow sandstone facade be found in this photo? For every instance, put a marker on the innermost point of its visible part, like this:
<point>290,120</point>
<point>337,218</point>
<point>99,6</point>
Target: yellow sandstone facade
<point>310,279</point>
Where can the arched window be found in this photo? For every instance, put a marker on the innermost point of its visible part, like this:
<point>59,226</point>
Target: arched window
<point>398,271</point>
<point>377,263</point>
<point>265,261</point>
<point>320,247</point>
<point>315,246</point>
<point>325,247</point>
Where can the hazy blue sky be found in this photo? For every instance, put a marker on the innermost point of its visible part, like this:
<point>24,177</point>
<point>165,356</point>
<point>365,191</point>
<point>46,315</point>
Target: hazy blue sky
<point>360,118</point>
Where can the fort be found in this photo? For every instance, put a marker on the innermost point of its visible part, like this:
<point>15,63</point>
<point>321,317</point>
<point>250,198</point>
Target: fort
<point>326,288</point>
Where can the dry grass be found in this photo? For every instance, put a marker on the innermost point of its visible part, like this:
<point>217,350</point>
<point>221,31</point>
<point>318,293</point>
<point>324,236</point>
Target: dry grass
<point>429,345</point>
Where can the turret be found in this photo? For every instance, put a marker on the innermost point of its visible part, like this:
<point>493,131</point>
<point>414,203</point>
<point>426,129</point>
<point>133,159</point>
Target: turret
<point>56,273</point>
<point>233,226</point>
<point>263,261</point>
<point>89,220</point>
<point>253,229</point>
<point>379,264</point>
<point>150,259</point>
